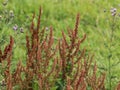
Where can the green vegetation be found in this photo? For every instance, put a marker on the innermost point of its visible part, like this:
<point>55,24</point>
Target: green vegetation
<point>99,19</point>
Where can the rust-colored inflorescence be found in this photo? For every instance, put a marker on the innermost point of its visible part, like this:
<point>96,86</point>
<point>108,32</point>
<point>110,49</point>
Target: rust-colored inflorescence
<point>7,55</point>
<point>64,66</point>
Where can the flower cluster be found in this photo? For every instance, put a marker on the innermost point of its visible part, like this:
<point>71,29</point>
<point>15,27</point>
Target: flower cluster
<point>15,28</point>
<point>113,11</point>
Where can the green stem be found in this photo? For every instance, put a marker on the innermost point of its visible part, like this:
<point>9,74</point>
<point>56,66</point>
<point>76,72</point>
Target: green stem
<point>109,70</point>
<point>110,52</point>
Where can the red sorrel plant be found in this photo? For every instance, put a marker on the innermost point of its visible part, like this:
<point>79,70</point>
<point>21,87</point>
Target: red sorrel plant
<point>70,56</point>
<point>40,52</point>
<point>6,55</point>
<point>38,65</point>
<point>45,69</point>
<point>75,65</point>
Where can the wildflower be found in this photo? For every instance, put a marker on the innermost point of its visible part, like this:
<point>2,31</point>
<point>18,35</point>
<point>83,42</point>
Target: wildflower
<point>11,13</point>
<point>113,11</point>
<point>21,29</point>
<point>113,14</point>
<point>5,3</point>
<point>15,27</point>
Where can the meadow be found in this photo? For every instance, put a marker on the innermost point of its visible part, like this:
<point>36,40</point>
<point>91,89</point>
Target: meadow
<point>99,20</point>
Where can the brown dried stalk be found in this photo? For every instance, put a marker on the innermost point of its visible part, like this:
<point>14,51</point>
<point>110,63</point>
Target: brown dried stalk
<point>7,50</point>
<point>87,63</point>
<point>7,56</point>
<point>17,79</point>
<point>39,55</point>
<point>70,58</point>
<point>68,85</point>
<point>81,82</point>
<point>96,83</point>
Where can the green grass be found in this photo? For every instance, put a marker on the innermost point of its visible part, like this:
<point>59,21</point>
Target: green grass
<point>96,22</point>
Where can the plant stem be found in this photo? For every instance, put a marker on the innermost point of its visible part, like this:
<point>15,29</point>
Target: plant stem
<point>109,70</point>
<point>110,51</point>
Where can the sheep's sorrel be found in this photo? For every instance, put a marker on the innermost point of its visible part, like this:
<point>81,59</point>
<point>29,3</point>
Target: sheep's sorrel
<point>49,65</point>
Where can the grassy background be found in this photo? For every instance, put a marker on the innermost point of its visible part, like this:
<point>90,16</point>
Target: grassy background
<point>96,21</point>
